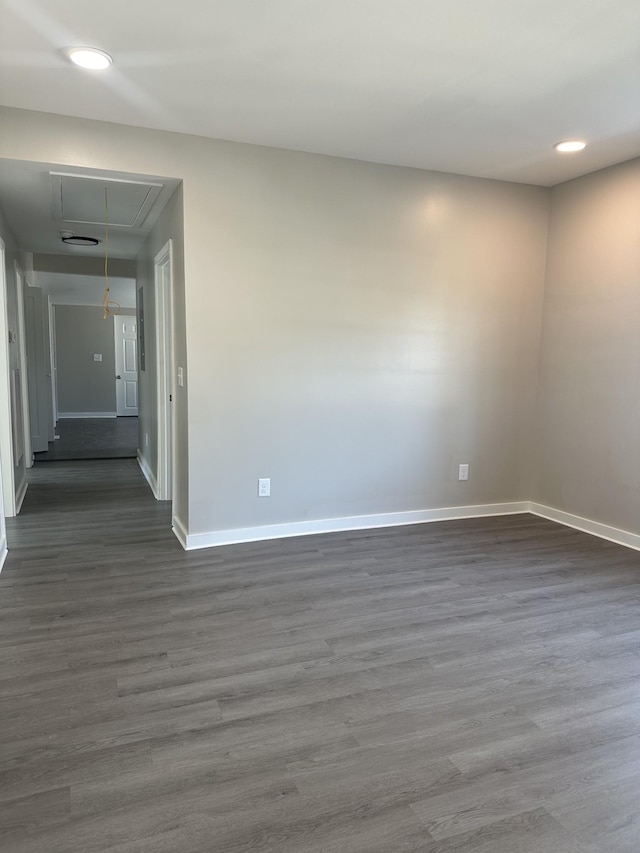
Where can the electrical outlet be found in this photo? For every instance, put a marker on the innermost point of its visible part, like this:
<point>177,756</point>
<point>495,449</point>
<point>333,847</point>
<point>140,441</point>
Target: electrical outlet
<point>97,356</point>
<point>264,487</point>
<point>463,471</point>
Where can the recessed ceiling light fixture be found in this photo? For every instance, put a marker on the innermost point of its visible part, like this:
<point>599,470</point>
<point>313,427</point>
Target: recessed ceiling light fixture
<point>72,239</point>
<point>570,145</point>
<point>90,57</point>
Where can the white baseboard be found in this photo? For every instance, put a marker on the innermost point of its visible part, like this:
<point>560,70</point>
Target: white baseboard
<point>193,541</point>
<point>22,491</point>
<point>180,532</point>
<point>3,551</point>
<point>587,525</point>
<point>148,474</point>
<point>67,415</point>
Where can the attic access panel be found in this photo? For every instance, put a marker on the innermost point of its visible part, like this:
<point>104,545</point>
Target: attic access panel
<point>80,199</point>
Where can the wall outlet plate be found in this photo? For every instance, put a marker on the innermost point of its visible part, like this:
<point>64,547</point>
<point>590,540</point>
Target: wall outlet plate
<point>463,471</point>
<point>264,487</point>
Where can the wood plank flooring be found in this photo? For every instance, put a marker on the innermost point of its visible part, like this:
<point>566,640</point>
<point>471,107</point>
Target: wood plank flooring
<point>446,688</point>
<point>92,438</point>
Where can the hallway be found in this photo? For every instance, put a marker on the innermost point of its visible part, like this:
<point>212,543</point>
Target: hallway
<point>445,688</point>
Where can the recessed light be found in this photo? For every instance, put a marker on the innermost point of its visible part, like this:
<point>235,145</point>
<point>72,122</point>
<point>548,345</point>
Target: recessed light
<point>570,145</point>
<point>90,57</point>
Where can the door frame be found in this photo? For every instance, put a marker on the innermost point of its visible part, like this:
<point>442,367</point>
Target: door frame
<point>164,339</point>
<point>6,431</point>
<point>24,379</point>
<point>54,363</point>
<point>53,359</point>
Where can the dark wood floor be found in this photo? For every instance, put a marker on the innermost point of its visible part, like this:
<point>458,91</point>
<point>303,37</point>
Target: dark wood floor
<point>92,438</point>
<point>461,686</point>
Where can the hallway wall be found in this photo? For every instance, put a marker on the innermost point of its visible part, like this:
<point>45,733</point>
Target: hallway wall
<point>7,399</point>
<point>84,385</point>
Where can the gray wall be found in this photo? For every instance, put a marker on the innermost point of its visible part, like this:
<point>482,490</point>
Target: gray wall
<point>587,457</point>
<point>353,331</point>
<point>170,225</point>
<point>84,385</point>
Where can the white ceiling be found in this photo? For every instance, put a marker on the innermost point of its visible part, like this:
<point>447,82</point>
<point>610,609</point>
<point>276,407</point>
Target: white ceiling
<point>479,87</point>
<point>30,197</point>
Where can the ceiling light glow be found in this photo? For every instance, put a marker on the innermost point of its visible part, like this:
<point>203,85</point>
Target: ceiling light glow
<point>570,145</point>
<point>90,57</point>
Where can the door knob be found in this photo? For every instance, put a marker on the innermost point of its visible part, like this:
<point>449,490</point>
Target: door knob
<point>118,376</point>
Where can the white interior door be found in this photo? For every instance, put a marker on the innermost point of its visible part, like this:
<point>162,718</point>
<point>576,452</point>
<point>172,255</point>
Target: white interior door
<point>37,369</point>
<point>126,365</point>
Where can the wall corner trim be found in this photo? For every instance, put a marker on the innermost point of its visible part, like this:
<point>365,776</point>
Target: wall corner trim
<point>587,525</point>
<point>180,532</point>
<point>234,536</point>
<point>3,551</point>
<point>148,473</point>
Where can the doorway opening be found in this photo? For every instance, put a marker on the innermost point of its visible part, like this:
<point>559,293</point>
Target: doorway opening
<point>95,376</point>
<point>62,285</point>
